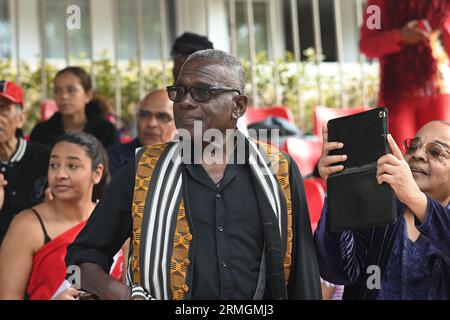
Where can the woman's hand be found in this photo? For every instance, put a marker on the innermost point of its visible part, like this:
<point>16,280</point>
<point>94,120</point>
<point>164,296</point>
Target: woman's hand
<point>68,294</point>
<point>48,194</point>
<point>395,171</point>
<point>411,34</point>
<point>326,167</point>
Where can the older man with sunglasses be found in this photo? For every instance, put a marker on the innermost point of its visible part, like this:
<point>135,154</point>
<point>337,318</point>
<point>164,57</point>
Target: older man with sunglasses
<point>227,220</point>
<point>412,256</point>
<point>155,124</point>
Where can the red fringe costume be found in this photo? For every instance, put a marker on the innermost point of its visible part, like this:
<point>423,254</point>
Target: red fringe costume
<point>412,83</point>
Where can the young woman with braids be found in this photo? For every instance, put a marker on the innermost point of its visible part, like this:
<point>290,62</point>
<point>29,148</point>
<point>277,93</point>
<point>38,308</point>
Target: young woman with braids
<point>413,46</point>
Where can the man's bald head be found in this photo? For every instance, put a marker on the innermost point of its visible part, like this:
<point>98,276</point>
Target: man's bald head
<point>155,118</point>
<point>156,98</point>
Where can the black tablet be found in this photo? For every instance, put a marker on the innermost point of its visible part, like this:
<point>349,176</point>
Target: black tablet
<point>355,199</point>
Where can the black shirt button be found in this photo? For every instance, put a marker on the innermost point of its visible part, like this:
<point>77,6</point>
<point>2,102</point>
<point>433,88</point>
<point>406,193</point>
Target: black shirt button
<point>218,196</point>
<point>13,193</point>
<point>3,169</point>
<point>220,228</point>
<point>224,264</point>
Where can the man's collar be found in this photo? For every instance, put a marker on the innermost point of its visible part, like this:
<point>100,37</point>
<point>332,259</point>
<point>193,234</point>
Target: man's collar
<point>20,150</point>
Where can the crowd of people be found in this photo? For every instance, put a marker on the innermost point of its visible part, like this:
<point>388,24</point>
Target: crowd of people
<point>192,208</point>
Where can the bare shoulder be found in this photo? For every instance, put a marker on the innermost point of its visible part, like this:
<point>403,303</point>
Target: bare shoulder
<point>26,220</point>
<point>26,229</point>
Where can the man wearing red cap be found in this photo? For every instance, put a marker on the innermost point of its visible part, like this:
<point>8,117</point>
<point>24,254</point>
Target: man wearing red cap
<point>23,165</point>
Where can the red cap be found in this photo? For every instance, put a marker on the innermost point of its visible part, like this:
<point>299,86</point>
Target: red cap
<point>11,91</point>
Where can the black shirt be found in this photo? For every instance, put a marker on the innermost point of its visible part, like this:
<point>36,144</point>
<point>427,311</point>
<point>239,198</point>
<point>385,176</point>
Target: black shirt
<point>228,233</point>
<point>228,236</point>
<point>118,155</point>
<point>26,173</point>
<point>49,131</point>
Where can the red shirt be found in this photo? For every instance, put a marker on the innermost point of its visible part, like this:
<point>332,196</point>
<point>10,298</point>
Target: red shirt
<point>378,43</point>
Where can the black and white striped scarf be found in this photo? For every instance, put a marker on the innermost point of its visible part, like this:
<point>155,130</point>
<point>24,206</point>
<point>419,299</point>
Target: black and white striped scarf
<point>160,215</point>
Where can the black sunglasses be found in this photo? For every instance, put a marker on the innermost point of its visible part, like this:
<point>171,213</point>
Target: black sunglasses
<point>198,93</point>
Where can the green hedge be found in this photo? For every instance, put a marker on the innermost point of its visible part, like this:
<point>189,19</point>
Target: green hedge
<point>153,78</point>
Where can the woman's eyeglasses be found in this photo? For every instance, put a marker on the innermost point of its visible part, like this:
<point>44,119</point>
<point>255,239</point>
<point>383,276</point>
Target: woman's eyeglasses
<point>433,149</point>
